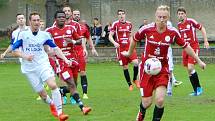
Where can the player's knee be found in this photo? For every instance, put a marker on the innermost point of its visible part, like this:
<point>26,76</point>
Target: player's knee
<point>160,101</point>
<point>147,103</point>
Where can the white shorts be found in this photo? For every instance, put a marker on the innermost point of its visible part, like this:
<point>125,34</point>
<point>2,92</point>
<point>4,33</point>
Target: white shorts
<point>38,77</point>
<point>170,57</point>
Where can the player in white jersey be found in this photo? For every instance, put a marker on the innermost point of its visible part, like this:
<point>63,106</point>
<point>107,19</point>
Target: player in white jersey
<point>172,80</point>
<point>35,64</point>
<point>20,20</point>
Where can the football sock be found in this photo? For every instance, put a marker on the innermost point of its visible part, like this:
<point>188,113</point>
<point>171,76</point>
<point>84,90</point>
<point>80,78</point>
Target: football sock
<point>64,90</point>
<point>48,100</point>
<point>142,110</point>
<point>196,78</point>
<point>127,77</point>
<point>169,86</point>
<point>78,100</point>
<point>135,69</point>
<point>57,100</point>
<point>84,83</point>
<point>173,79</point>
<point>157,114</point>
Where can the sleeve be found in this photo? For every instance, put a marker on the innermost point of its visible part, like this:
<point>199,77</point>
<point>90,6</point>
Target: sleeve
<point>87,33</point>
<point>17,44</point>
<point>50,43</point>
<point>196,24</point>
<point>12,39</point>
<point>113,28</point>
<point>75,35</point>
<point>139,35</point>
<point>179,40</point>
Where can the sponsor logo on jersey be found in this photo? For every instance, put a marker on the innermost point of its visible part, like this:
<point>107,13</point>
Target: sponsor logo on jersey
<point>167,38</point>
<point>68,31</point>
<point>188,26</point>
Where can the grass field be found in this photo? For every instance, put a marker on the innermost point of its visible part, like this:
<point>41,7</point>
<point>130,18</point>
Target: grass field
<point>108,96</point>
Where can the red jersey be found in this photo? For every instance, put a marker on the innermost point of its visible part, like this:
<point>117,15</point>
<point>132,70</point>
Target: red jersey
<point>157,44</point>
<point>187,30</point>
<point>84,31</point>
<point>58,36</point>
<point>123,33</point>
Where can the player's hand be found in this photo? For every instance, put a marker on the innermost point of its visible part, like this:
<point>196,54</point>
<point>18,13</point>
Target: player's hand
<point>125,53</point>
<point>2,56</point>
<point>28,57</point>
<point>116,45</point>
<point>94,52</point>
<point>85,53</point>
<point>206,45</point>
<point>202,64</point>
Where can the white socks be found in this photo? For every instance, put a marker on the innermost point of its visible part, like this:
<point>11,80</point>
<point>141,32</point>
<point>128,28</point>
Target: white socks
<point>57,100</point>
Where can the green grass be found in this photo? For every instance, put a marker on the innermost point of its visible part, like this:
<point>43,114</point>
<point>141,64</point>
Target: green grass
<point>108,96</point>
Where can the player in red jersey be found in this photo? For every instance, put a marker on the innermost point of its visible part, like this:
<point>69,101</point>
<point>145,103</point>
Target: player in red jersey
<point>122,30</point>
<point>158,37</point>
<point>64,37</point>
<point>81,51</point>
<point>187,28</point>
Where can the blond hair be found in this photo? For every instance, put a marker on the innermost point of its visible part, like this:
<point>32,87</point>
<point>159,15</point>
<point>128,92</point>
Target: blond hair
<point>164,8</point>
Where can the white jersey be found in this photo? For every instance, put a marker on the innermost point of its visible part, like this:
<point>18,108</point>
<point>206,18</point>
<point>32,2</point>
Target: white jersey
<point>34,45</point>
<point>16,33</point>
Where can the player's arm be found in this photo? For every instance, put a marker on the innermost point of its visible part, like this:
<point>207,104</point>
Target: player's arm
<point>93,50</point>
<point>131,48</point>
<point>204,34</point>
<point>56,50</point>
<point>191,52</point>
<point>111,34</point>
<point>9,49</point>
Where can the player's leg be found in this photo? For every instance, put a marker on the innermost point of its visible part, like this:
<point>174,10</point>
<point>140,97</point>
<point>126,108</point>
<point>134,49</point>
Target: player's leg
<point>127,77</point>
<point>84,84</point>
<point>194,79</point>
<point>170,84</point>
<point>160,92</point>
<point>144,105</point>
<point>135,70</point>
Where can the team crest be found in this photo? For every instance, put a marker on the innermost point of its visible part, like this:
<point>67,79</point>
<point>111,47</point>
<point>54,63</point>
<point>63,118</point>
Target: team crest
<point>128,27</point>
<point>167,38</point>
<point>188,26</point>
<point>68,31</point>
<point>55,34</point>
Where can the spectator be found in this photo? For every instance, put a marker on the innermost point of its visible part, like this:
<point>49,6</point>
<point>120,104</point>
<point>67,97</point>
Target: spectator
<point>106,32</point>
<point>97,30</point>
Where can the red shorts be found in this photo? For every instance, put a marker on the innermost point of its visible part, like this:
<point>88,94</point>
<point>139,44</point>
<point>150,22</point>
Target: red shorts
<point>148,83</point>
<point>80,57</point>
<point>65,72</point>
<point>188,59</point>
<point>126,60</point>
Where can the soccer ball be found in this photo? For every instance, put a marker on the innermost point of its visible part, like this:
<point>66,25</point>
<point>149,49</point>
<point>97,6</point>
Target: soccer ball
<point>152,66</point>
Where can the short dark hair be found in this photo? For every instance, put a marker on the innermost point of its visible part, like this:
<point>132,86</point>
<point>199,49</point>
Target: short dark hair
<point>19,14</point>
<point>182,9</point>
<point>96,19</point>
<point>33,14</point>
<point>120,10</point>
<point>58,11</point>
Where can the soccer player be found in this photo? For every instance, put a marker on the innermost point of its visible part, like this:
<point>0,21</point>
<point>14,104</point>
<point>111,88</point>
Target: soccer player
<point>35,65</point>
<point>122,29</point>
<point>64,37</point>
<point>158,37</point>
<point>20,20</point>
<point>187,28</point>
<point>81,51</point>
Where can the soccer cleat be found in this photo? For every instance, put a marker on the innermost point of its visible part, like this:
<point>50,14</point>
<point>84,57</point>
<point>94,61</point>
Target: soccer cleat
<point>64,100</point>
<point>169,94</point>
<point>63,117</point>
<point>199,91</point>
<point>72,101</point>
<point>85,96</point>
<point>38,98</point>
<point>53,110</point>
<point>86,110</point>
<point>177,83</point>
<point>139,116</point>
<point>137,83</point>
<point>130,88</point>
